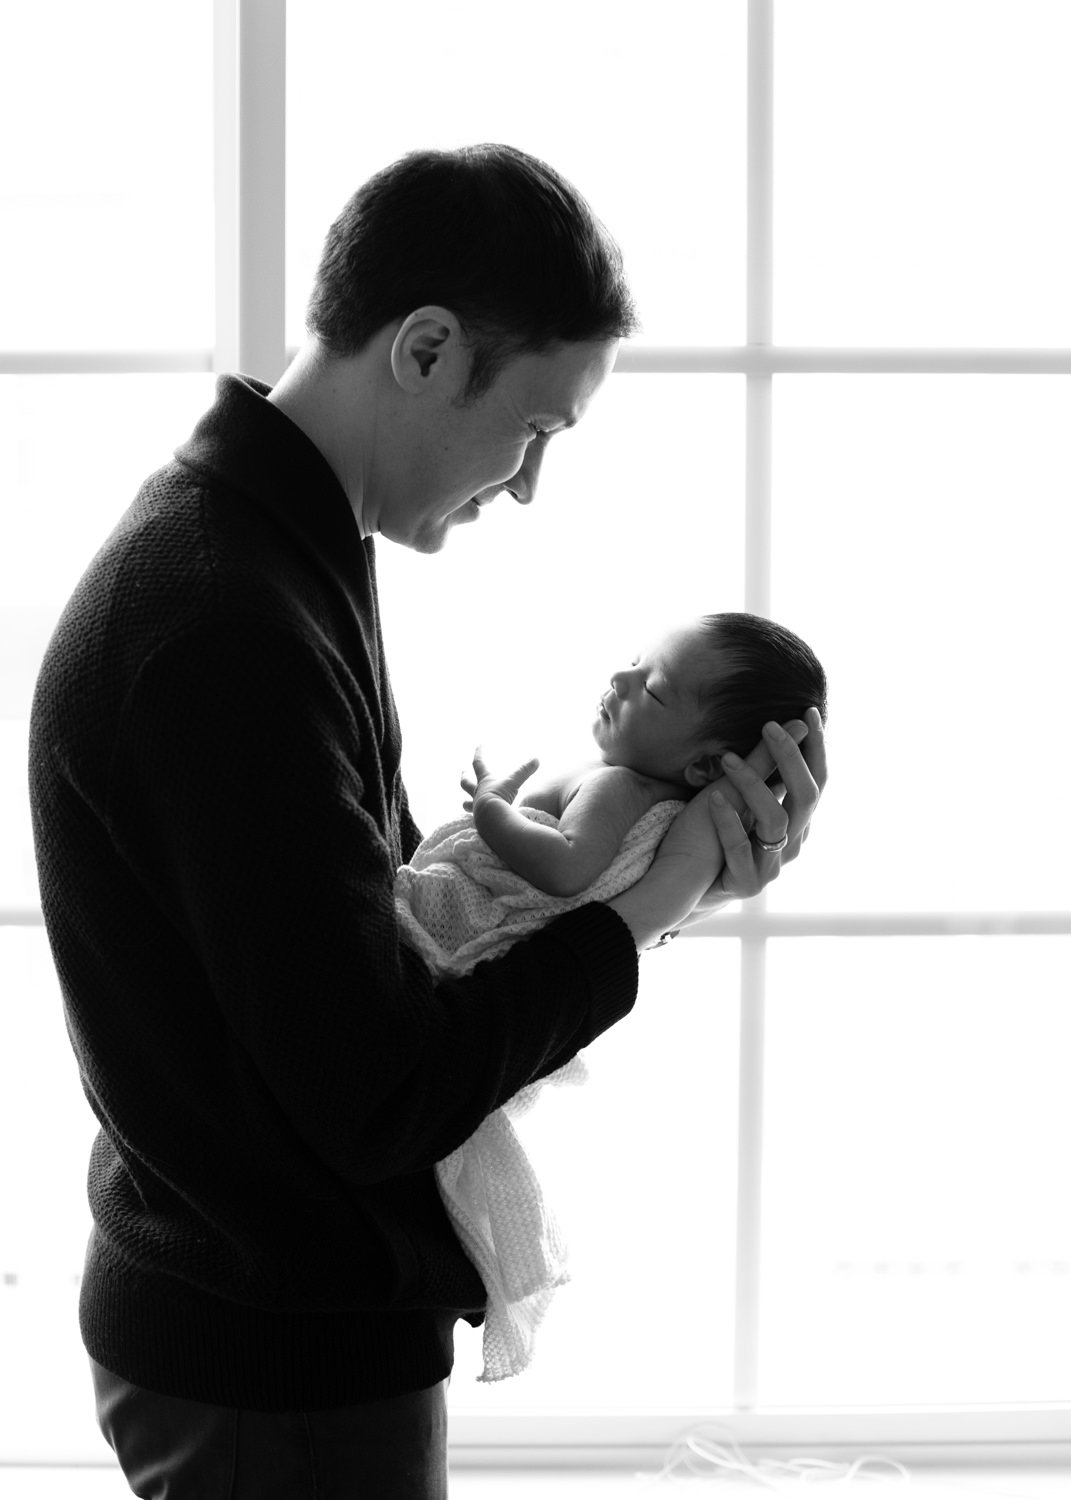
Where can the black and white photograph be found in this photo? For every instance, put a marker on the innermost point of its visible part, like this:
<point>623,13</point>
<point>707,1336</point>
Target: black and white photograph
<point>535,924</point>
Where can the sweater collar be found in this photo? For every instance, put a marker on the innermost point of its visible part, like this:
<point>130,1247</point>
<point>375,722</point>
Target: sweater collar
<point>250,446</point>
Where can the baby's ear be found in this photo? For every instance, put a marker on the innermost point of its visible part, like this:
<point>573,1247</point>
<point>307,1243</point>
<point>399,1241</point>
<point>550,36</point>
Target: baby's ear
<point>702,770</point>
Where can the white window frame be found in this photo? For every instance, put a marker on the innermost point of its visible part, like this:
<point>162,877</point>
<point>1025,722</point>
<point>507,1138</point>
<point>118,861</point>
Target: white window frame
<point>250,131</point>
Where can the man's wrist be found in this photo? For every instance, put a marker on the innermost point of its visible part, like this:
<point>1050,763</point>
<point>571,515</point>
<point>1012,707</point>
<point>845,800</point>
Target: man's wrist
<point>658,904</point>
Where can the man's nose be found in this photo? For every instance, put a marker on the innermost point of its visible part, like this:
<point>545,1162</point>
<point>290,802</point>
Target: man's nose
<point>525,482</point>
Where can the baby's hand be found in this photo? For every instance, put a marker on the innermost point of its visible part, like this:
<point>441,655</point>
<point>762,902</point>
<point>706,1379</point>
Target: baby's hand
<point>486,786</point>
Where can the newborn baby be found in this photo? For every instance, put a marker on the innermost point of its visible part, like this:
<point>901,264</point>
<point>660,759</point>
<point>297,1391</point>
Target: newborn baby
<point>700,691</point>
<point>481,883</point>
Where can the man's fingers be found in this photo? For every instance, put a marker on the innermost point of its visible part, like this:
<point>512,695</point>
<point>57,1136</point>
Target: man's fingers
<point>747,812</point>
<point>761,759</point>
<point>740,879</point>
<point>814,752</point>
<point>770,818</point>
<point>801,786</point>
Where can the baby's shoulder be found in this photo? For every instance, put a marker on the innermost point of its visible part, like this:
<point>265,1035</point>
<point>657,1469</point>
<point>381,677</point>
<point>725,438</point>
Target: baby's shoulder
<point>623,787</point>
<point>553,792</point>
<point>599,783</point>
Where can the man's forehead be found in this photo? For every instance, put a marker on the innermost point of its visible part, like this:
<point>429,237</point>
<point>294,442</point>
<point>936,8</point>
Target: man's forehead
<point>558,384</point>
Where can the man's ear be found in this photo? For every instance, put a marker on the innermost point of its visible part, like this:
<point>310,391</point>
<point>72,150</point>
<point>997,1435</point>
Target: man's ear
<point>428,352</point>
<point>702,770</point>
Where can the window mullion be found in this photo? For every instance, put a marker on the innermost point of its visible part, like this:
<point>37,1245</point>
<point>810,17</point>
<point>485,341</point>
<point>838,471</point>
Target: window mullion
<point>766,360</point>
<point>749,1172</point>
<point>250,169</point>
<point>758,410</point>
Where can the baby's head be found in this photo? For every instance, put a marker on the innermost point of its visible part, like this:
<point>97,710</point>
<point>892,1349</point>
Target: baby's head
<point>702,689</point>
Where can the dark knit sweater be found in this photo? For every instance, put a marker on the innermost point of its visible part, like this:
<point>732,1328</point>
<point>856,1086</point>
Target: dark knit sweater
<point>218,813</point>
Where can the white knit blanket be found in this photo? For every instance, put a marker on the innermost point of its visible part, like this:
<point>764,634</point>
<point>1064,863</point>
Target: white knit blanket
<point>458,903</point>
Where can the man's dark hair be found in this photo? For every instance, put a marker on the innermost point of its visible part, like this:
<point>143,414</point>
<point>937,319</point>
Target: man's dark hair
<point>772,675</point>
<point>487,231</point>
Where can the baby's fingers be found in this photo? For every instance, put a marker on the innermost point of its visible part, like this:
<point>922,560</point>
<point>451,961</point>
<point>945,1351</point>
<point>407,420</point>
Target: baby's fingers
<point>516,779</point>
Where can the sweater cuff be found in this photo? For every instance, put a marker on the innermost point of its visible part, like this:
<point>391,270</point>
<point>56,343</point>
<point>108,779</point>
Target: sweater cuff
<point>602,944</point>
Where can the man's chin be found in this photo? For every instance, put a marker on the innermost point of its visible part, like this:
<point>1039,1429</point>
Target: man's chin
<point>430,534</point>
<point>429,541</point>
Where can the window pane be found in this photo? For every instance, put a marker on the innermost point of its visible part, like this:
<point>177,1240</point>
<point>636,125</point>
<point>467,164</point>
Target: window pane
<point>106,209</point>
<point>509,635</point>
<point>916,1236</point>
<point>18,873</point>
<point>45,1133</point>
<point>639,1165</point>
<point>922,156</point>
<point>74,450</point>
<point>922,527</point>
<point>646,114</point>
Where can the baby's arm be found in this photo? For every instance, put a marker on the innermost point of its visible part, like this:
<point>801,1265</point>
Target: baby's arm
<point>562,861</point>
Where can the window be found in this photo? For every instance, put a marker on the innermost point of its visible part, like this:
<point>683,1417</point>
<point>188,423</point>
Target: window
<point>847,410</point>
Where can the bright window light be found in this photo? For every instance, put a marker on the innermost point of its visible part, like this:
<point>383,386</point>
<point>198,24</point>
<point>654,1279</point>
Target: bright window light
<point>882,1112</point>
<point>46,1219</point>
<point>920,172</point>
<point>916,1247</point>
<point>921,535</point>
<point>63,498</point>
<point>106,208</point>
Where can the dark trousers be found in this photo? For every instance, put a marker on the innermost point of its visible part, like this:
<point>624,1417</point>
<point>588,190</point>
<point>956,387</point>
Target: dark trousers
<point>171,1449</point>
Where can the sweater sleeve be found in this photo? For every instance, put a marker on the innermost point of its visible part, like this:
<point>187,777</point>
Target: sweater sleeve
<point>247,796</point>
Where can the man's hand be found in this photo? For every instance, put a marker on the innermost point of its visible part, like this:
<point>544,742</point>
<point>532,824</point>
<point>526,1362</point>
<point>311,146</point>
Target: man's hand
<point>751,811</point>
<point>484,786</point>
<point>692,837</point>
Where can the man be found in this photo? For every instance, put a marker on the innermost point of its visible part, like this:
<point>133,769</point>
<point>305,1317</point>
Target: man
<point>272,1283</point>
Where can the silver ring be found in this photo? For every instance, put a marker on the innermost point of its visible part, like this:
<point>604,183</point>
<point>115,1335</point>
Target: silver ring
<point>772,848</point>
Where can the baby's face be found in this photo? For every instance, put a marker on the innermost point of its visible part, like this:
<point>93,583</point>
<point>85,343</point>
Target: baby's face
<point>650,719</point>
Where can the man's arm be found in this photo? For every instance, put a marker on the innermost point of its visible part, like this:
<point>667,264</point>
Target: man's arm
<point>245,799</point>
<point>562,861</point>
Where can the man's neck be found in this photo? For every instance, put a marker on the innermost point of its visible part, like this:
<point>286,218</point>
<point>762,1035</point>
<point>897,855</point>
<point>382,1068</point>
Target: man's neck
<point>319,395</point>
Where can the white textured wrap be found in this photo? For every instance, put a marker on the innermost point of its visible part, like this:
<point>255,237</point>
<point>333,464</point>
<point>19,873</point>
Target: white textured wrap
<point>458,903</point>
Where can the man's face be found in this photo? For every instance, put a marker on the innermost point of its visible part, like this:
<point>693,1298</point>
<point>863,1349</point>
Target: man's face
<point>496,444</point>
<point>650,718</point>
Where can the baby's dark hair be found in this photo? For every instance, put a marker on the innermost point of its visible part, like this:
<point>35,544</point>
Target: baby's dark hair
<point>772,675</point>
